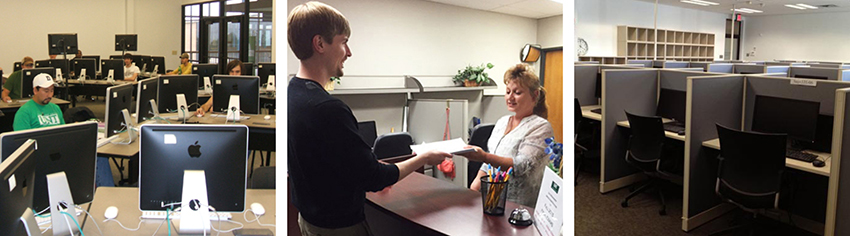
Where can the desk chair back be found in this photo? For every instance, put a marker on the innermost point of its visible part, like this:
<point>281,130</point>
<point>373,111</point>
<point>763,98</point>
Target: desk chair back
<point>750,170</point>
<point>263,178</point>
<point>480,135</point>
<point>392,145</point>
<point>646,142</point>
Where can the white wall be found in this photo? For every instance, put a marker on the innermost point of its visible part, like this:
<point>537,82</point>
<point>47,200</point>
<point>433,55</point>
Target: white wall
<point>25,25</point>
<point>821,36</point>
<point>597,21</point>
<point>550,31</point>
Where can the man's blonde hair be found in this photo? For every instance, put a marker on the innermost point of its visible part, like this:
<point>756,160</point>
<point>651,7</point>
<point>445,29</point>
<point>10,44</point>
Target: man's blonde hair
<point>310,19</point>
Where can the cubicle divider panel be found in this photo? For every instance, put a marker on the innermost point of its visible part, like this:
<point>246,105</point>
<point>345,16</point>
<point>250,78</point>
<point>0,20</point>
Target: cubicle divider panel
<point>711,100</point>
<point>777,69</point>
<point>815,73</point>
<point>632,90</point>
<point>838,203</point>
<point>677,79</point>
<point>703,65</point>
<point>585,82</point>
<point>676,64</point>
<point>845,75</point>
<point>720,68</point>
<point>645,63</point>
<point>749,69</point>
<point>823,92</point>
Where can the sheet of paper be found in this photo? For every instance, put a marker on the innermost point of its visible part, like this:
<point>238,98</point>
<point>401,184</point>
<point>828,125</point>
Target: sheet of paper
<point>453,146</point>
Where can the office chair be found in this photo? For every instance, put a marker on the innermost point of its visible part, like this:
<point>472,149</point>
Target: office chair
<point>646,152</point>
<point>586,140</point>
<point>580,150</point>
<point>749,173</point>
<point>264,178</point>
<point>392,145</point>
<point>480,135</point>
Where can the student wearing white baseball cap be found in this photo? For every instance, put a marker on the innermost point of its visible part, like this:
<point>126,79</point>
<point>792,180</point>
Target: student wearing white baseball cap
<point>39,112</point>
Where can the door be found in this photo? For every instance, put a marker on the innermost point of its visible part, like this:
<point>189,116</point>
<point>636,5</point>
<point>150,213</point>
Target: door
<point>553,82</point>
<point>221,40</point>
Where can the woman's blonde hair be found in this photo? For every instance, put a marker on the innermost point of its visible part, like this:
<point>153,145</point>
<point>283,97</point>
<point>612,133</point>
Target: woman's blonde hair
<point>523,74</point>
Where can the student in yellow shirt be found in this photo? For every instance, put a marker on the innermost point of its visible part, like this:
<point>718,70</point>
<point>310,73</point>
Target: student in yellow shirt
<point>185,67</point>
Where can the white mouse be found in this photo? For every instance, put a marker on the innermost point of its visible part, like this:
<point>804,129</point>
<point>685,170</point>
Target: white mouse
<point>110,213</point>
<point>258,209</point>
<point>267,117</point>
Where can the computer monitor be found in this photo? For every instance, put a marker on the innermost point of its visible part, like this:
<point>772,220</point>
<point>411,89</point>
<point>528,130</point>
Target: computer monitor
<point>88,63</point>
<point>62,44</point>
<point>55,63</point>
<point>158,62</point>
<point>810,77</point>
<point>28,75</point>
<point>598,92</point>
<point>247,87</point>
<point>139,61</point>
<point>169,86</point>
<point>71,148</point>
<point>17,172</point>
<point>145,65</point>
<point>146,90</point>
<point>671,104</point>
<point>247,69</point>
<point>96,60</point>
<point>166,150</point>
<point>117,66</point>
<point>118,98</point>
<point>16,66</point>
<point>368,131</point>
<point>264,70</point>
<point>116,57</point>
<point>125,42</point>
<point>204,70</point>
<point>797,118</point>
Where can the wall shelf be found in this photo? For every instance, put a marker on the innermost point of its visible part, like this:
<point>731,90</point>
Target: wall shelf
<point>636,43</point>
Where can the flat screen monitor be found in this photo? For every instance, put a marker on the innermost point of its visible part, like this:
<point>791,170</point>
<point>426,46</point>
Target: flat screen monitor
<point>28,75</point>
<point>166,150</point>
<point>96,60</point>
<point>17,171</point>
<point>62,44</point>
<point>116,65</point>
<point>145,65</point>
<point>368,131</point>
<point>247,87</point>
<point>158,62</point>
<point>774,115</point>
<point>125,42</point>
<point>247,69</point>
<point>146,90</point>
<point>811,77</point>
<point>116,57</point>
<point>89,64</point>
<point>16,66</point>
<point>598,92</point>
<point>671,104</point>
<point>118,98</point>
<point>264,70</point>
<point>55,63</point>
<point>170,85</point>
<point>71,148</point>
<point>204,70</point>
<point>138,61</point>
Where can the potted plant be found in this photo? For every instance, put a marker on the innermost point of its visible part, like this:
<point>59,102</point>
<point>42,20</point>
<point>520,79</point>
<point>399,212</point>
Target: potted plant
<point>330,85</point>
<point>472,76</point>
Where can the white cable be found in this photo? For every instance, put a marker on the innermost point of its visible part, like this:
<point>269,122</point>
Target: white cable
<point>125,228</point>
<point>92,219</point>
<point>42,211</point>
<point>257,219</point>
<point>219,223</point>
<point>68,223</point>
<point>46,229</point>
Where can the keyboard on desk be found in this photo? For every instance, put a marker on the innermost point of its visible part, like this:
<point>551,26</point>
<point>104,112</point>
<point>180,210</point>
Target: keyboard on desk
<point>160,215</point>
<point>674,127</point>
<point>800,155</point>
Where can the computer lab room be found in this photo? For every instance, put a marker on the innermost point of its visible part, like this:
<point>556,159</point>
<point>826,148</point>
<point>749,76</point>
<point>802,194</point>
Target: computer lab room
<point>137,117</point>
<point>710,117</point>
<point>404,84</point>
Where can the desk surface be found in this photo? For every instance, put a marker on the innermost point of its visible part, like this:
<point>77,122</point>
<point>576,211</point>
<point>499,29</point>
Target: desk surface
<point>16,103</point>
<point>669,134</point>
<point>253,121</point>
<point>127,202</point>
<point>120,150</point>
<point>99,82</point>
<point>789,162</point>
<point>445,207</point>
<point>586,112</point>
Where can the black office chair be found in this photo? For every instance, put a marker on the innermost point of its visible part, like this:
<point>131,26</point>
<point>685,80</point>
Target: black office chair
<point>646,152</point>
<point>480,135</point>
<point>263,178</point>
<point>749,173</point>
<point>580,150</point>
<point>392,145</point>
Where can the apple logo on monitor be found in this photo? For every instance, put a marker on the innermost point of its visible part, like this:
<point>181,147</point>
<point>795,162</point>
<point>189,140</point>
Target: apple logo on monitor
<point>195,150</point>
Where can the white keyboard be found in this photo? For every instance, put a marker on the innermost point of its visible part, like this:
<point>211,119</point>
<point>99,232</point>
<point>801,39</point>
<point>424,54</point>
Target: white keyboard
<point>104,141</point>
<point>46,220</point>
<point>160,215</point>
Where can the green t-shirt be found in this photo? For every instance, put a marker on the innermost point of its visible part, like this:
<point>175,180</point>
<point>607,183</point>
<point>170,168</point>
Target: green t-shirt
<point>32,115</point>
<point>13,84</point>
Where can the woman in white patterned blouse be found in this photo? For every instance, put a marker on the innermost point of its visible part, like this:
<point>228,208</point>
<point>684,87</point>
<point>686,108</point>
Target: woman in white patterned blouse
<point>518,140</point>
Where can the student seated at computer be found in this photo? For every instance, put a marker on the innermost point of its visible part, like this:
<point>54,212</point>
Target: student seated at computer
<point>12,87</point>
<point>131,72</point>
<point>39,112</point>
<point>185,67</point>
<point>233,68</point>
<point>518,140</point>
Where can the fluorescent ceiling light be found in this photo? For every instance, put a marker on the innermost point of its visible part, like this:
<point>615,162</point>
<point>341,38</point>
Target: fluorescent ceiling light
<point>807,6</point>
<point>700,2</point>
<point>795,7</point>
<point>747,10</point>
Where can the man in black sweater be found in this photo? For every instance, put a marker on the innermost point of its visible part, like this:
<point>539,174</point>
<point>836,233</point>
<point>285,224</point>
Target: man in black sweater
<point>330,166</point>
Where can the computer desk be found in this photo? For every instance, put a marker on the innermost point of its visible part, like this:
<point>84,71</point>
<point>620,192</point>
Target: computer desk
<point>668,134</point>
<point>586,112</point>
<point>127,201</point>
<point>790,162</point>
<point>91,87</point>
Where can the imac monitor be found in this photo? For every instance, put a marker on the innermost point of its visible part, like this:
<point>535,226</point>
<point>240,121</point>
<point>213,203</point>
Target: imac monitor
<point>773,115</point>
<point>89,64</point>
<point>204,70</point>
<point>118,98</point>
<point>264,70</point>
<point>247,87</point>
<point>166,150</point>
<point>62,44</point>
<point>170,85</point>
<point>671,104</point>
<point>17,171</point>
<point>116,65</point>
<point>144,63</point>
<point>368,131</point>
<point>96,60</point>
<point>138,60</point>
<point>247,69</point>
<point>55,63</point>
<point>125,42</point>
<point>28,75</point>
<point>16,66</point>
<point>158,62</point>
<point>116,57</point>
<point>145,92</point>
<point>71,148</point>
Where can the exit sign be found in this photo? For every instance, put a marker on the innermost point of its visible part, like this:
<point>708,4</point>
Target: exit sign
<point>737,17</point>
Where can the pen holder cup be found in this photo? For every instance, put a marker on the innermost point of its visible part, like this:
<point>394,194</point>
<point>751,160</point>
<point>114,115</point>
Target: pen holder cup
<point>493,196</point>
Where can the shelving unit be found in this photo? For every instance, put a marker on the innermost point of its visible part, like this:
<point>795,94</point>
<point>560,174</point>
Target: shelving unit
<point>606,60</point>
<point>635,43</point>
